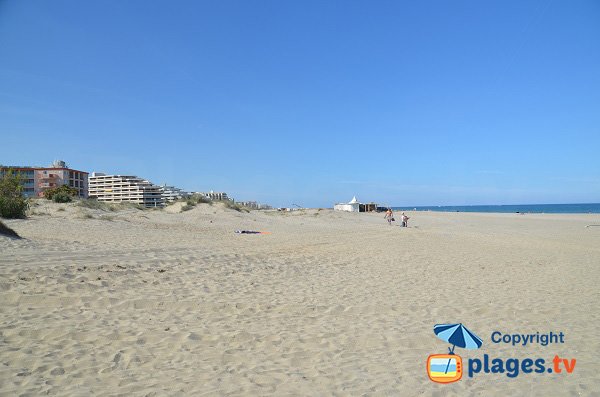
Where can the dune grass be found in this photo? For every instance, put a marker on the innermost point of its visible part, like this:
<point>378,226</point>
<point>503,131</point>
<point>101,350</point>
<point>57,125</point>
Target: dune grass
<point>187,207</point>
<point>104,206</point>
<point>234,206</point>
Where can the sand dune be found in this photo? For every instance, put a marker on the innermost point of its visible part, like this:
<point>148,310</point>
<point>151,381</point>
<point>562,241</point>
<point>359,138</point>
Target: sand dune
<point>169,303</point>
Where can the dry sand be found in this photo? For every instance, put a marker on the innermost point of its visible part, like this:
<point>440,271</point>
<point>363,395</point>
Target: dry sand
<point>165,303</point>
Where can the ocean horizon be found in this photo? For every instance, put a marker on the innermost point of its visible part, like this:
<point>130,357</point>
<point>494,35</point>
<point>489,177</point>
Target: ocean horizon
<point>582,208</point>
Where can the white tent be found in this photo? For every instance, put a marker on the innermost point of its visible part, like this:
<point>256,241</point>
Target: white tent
<point>352,206</point>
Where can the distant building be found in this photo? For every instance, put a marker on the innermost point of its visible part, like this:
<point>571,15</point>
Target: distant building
<point>125,188</point>
<point>249,204</point>
<point>172,193</point>
<point>36,180</point>
<point>254,205</point>
<point>217,196</point>
<point>355,206</point>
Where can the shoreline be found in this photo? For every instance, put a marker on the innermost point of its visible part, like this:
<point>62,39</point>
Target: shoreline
<point>561,208</point>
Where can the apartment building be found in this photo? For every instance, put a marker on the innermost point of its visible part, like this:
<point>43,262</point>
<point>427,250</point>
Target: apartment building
<point>125,188</point>
<point>217,196</point>
<point>172,193</point>
<point>254,205</point>
<point>36,180</point>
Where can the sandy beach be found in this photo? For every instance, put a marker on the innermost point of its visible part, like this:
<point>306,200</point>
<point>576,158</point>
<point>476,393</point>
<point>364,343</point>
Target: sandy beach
<point>159,302</point>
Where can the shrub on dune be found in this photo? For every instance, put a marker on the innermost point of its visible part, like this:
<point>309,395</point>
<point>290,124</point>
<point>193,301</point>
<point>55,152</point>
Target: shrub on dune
<point>94,204</point>
<point>12,202</point>
<point>62,198</point>
<point>234,206</point>
<point>187,207</point>
<point>61,194</point>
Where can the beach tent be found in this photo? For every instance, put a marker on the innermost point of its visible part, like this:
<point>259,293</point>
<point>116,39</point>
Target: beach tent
<point>352,206</point>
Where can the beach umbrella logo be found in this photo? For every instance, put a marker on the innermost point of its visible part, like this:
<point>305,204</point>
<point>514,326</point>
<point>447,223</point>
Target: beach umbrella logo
<point>448,368</point>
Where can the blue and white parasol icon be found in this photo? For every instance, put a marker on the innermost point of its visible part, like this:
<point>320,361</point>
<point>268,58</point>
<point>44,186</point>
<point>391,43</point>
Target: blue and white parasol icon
<point>458,335</point>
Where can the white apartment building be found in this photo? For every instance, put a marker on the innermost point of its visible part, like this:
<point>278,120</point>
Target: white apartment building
<point>254,205</point>
<point>124,188</point>
<point>249,204</point>
<point>172,193</point>
<point>217,196</point>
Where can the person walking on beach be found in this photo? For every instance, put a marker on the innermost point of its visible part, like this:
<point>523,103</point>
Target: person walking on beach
<point>389,215</point>
<point>405,220</point>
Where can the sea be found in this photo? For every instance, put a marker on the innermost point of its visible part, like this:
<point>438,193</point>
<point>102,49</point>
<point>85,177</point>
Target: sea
<point>589,208</point>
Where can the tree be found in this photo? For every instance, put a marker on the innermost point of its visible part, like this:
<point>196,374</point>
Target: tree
<point>12,202</point>
<point>61,194</point>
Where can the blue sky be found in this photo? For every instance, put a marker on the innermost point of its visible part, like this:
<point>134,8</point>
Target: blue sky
<point>311,102</point>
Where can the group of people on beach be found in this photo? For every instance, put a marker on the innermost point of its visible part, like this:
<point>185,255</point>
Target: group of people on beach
<point>389,216</point>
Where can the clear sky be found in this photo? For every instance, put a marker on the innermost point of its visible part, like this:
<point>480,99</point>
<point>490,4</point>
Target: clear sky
<point>311,102</point>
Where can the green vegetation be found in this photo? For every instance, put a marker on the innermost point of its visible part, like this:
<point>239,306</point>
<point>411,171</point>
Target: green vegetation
<point>103,206</point>
<point>61,198</point>
<point>234,206</point>
<point>61,194</point>
<point>187,207</point>
<point>7,231</point>
<point>192,201</point>
<point>198,199</point>
<point>12,202</point>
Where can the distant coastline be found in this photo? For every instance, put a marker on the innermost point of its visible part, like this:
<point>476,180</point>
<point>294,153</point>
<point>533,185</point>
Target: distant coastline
<point>587,208</point>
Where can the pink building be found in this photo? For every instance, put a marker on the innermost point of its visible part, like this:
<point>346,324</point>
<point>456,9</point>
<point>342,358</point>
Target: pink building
<point>37,179</point>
